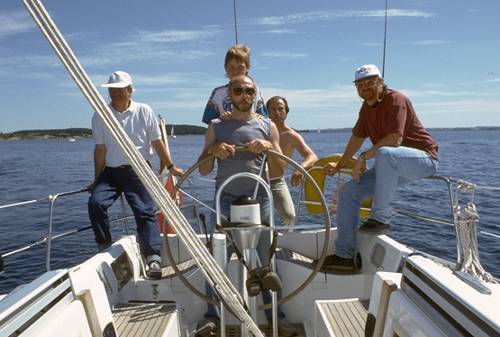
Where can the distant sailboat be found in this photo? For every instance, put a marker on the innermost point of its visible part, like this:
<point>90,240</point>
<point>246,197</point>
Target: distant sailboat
<point>72,140</point>
<point>319,131</point>
<point>172,134</point>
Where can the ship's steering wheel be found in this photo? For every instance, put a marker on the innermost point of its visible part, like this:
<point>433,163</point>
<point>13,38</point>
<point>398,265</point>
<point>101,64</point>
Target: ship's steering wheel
<point>326,217</point>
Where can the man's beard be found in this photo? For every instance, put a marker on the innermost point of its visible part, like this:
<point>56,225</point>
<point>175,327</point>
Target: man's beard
<point>244,106</point>
<point>368,94</point>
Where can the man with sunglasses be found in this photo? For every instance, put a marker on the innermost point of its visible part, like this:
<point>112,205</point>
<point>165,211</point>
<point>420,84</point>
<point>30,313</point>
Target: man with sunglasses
<point>403,151</point>
<point>257,134</point>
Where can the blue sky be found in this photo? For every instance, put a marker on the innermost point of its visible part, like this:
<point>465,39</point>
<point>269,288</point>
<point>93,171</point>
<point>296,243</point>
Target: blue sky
<point>443,54</point>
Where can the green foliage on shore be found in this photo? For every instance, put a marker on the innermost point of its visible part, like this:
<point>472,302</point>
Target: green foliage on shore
<point>184,129</point>
<point>78,133</point>
<point>47,134</point>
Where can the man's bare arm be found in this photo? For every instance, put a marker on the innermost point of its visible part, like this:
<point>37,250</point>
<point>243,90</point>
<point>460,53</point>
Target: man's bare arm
<point>207,166</point>
<point>305,151</point>
<point>352,147</point>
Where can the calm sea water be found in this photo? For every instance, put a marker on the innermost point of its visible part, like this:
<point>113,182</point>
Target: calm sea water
<point>35,169</point>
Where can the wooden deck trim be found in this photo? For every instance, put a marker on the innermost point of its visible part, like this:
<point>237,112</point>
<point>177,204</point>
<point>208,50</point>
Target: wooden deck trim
<point>346,318</point>
<point>142,319</point>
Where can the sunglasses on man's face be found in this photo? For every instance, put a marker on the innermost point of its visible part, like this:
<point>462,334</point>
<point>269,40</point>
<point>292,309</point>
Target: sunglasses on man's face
<point>238,91</point>
<point>366,83</point>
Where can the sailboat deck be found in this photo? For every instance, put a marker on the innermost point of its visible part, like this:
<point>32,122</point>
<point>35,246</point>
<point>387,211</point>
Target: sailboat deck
<point>344,318</point>
<point>142,319</point>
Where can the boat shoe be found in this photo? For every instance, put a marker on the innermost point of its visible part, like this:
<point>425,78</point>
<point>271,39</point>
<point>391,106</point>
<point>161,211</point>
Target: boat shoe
<point>154,270</point>
<point>287,329</point>
<point>374,226</point>
<point>340,265</point>
<point>206,328</point>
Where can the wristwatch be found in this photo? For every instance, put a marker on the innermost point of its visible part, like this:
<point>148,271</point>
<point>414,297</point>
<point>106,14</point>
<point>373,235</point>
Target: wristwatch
<point>170,166</point>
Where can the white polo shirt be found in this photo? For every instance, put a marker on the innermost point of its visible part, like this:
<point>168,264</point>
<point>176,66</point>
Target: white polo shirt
<point>139,122</point>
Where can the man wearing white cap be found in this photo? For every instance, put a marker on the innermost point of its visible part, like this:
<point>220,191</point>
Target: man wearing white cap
<point>403,151</point>
<point>114,175</point>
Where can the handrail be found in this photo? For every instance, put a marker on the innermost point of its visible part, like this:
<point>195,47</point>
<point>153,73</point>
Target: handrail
<point>57,236</point>
<point>53,199</point>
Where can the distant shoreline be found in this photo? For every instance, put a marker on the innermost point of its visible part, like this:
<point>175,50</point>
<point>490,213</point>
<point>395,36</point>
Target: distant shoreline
<point>82,133</point>
<point>180,129</point>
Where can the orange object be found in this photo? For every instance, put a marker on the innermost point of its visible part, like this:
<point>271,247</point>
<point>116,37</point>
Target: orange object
<point>169,184</point>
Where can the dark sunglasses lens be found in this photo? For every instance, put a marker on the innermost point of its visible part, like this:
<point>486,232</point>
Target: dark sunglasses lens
<point>250,91</point>
<point>237,91</point>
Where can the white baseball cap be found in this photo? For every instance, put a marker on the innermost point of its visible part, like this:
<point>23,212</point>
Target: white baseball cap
<point>368,70</point>
<point>118,79</point>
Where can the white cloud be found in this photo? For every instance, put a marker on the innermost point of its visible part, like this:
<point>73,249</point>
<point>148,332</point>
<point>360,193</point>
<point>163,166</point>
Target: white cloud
<point>408,43</point>
<point>82,36</point>
<point>279,31</point>
<point>468,106</point>
<point>162,80</point>
<point>325,98</point>
<point>15,22</point>
<point>330,15</point>
<point>284,55</point>
<point>440,93</point>
<point>138,53</point>
<point>154,46</point>
<point>23,62</point>
<point>371,44</point>
<point>430,42</point>
<point>169,36</point>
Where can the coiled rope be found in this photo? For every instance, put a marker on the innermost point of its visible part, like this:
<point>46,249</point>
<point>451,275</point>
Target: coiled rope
<point>212,272</point>
<point>466,219</point>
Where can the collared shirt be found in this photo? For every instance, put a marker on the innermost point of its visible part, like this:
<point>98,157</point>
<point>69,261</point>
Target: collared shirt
<point>139,122</point>
<point>394,114</point>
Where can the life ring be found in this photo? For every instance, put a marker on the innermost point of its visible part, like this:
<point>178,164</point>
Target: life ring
<point>169,183</point>
<point>319,175</point>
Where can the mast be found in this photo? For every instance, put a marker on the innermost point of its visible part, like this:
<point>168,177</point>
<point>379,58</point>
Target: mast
<point>235,23</point>
<point>385,39</point>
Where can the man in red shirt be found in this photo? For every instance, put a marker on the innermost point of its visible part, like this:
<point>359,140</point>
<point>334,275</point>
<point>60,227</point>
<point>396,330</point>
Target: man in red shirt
<point>403,151</point>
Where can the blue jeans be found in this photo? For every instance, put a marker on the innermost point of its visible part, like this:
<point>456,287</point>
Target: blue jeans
<point>262,250</point>
<point>394,166</point>
<point>110,184</point>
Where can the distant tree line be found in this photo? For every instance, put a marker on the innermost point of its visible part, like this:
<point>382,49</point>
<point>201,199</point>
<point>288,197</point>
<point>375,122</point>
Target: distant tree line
<point>48,134</point>
<point>184,129</point>
<point>180,129</point>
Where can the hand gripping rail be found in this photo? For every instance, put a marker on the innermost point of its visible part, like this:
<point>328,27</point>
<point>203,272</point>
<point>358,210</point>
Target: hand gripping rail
<point>208,266</point>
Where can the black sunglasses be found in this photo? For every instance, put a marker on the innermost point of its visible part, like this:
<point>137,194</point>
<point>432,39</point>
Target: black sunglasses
<point>239,91</point>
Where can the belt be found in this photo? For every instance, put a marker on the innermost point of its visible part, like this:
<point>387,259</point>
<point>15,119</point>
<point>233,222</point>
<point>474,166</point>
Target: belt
<point>126,166</point>
<point>120,167</point>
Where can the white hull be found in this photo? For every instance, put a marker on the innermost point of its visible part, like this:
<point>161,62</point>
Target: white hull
<point>98,287</point>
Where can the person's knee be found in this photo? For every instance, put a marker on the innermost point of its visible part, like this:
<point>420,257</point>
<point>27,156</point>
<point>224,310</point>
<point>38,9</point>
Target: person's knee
<point>94,203</point>
<point>386,154</point>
